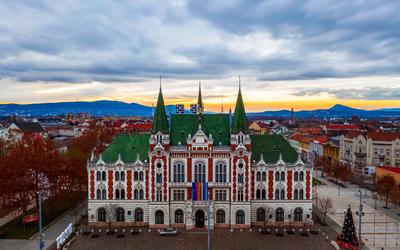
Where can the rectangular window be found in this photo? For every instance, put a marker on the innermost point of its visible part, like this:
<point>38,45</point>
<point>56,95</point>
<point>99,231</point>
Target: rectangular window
<point>220,172</point>
<point>240,195</point>
<point>159,195</point>
<point>179,195</point>
<point>220,195</point>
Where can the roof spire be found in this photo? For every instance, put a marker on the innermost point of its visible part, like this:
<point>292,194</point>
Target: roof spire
<point>200,107</point>
<point>239,122</point>
<point>160,122</point>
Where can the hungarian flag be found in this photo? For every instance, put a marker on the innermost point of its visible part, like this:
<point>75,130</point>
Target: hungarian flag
<point>199,191</point>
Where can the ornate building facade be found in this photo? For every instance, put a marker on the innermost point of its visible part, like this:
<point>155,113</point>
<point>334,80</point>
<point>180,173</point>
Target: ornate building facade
<point>153,180</point>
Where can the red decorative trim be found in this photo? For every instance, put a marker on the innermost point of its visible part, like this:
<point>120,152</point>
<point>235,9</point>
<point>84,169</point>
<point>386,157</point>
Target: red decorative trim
<point>252,184</point>
<point>308,184</point>
<point>91,184</point>
<point>153,179</point>
<point>210,169</point>
<point>129,184</point>
<point>189,171</point>
<point>211,193</point>
<point>289,184</point>
<point>270,184</point>
<point>147,184</point>
<point>164,160</point>
<point>110,185</point>
<point>189,193</point>
<point>234,178</point>
<point>246,176</point>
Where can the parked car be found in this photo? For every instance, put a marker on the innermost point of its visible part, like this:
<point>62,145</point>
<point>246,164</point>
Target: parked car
<point>169,231</point>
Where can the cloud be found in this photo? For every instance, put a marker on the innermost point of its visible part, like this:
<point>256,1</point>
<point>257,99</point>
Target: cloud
<point>270,42</point>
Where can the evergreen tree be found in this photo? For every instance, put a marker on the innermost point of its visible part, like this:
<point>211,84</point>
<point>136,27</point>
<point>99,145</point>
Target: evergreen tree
<point>348,235</point>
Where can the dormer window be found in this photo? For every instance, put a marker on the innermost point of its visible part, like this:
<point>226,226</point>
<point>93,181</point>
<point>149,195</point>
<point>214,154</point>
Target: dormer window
<point>159,138</point>
<point>240,139</point>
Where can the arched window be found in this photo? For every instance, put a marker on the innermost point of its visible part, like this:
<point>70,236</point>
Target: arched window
<point>220,172</point>
<point>258,194</point>
<point>122,193</point>
<point>159,178</point>
<point>120,214</point>
<point>220,216</point>
<point>200,172</point>
<point>301,194</point>
<point>240,217</point>
<point>98,194</point>
<point>276,194</point>
<point>103,175</point>
<point>141,176</point>
<point>178,216</point>
<point>135,176</point>
<point>98,176</point>
<point>116,175</point>
<point>122,176</point>
<point>296,176</point>
<point>101,214</point>
<point>116,193</point>
<point>277,176</point>
<point>301,176</point>
<point>179,172</point>
<point>159,217</point>
<point>141,194</point>
<point>264,176</point>
<point>104,194</point>
<point>298,214</point>
<point>240,178</point>
<point>282,175</point>
<point>282,194</point>
<point>279,214</point>
<point>258,176</point>
<point>263,194</point>
<point>138,214</point>
<point>296,194</point>
<point>135,194</point>
<point>261,214</point>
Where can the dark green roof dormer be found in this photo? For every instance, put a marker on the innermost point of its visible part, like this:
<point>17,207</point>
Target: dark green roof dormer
<point>239,121</point>
<point>160,121</point>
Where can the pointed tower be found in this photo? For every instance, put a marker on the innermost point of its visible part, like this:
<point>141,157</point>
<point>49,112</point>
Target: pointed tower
<point>200,107</point>
<point>160,122</point>
<point>239,121</point>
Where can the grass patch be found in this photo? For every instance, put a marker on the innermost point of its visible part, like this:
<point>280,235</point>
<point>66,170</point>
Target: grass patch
<point>14,229</point>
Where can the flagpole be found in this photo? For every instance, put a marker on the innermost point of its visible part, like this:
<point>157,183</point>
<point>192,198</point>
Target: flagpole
<point>41,243</point>
<point>208,220</point>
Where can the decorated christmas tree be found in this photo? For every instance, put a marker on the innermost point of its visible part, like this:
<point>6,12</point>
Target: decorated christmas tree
<point>348,238</point>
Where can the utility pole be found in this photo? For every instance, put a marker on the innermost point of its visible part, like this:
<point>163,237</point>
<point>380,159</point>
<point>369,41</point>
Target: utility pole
<point>208,220</point>
<point>41,243</point>
<point>359,224</point>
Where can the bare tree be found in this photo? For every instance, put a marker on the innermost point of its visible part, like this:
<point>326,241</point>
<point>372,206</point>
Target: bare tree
<point>385,186</point>
<point>326,206</point>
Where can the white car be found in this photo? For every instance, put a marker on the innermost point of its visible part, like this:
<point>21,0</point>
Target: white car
<point>169,231</point>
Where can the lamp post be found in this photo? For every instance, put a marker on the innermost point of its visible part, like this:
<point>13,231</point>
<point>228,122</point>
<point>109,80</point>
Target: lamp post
<point>41,243</point>
<point>359,225</point>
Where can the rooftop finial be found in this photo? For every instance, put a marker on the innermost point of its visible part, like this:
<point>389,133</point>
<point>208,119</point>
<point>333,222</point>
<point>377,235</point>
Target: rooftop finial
<point>240,84</point>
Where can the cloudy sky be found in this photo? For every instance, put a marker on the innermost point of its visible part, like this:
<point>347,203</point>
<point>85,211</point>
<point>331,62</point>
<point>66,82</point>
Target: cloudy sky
<point>301,54</point>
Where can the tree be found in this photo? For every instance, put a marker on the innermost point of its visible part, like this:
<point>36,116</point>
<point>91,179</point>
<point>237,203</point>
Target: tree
<point>348,237</point>
<point>385,186</point>
<point>326,206</point>
<point>111,210</point>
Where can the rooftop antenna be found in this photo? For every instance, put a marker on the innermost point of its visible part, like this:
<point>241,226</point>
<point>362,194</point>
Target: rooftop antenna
<point>222,103</point>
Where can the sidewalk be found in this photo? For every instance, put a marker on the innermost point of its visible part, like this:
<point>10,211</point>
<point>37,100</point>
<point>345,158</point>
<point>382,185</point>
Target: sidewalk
<point>49,235</point>
<point>380,226</point>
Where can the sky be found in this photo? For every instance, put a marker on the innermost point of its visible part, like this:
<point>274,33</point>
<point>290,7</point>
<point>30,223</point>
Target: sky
<point>303,54</point>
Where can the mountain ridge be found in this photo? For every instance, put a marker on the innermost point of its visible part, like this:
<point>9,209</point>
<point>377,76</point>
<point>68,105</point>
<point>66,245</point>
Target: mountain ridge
<point>119,108</point>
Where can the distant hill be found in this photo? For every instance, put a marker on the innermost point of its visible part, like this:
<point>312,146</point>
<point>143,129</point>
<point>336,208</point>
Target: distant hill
<point>117,108</point>
<point>336,111</point>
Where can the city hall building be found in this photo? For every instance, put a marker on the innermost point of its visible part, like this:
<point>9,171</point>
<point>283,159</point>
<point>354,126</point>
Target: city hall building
<point>167,178</point>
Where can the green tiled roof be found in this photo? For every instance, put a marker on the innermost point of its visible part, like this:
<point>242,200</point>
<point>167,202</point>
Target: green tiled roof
<point>265,144</point>
<point>160,122</point>
<point>239,122</point>
<point>128,145</point>
<point>216,124</point>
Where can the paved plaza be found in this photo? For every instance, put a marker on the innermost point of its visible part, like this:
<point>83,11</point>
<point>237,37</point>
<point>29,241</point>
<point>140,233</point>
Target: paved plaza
<point>221,239</point>
<point>380,227</point>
